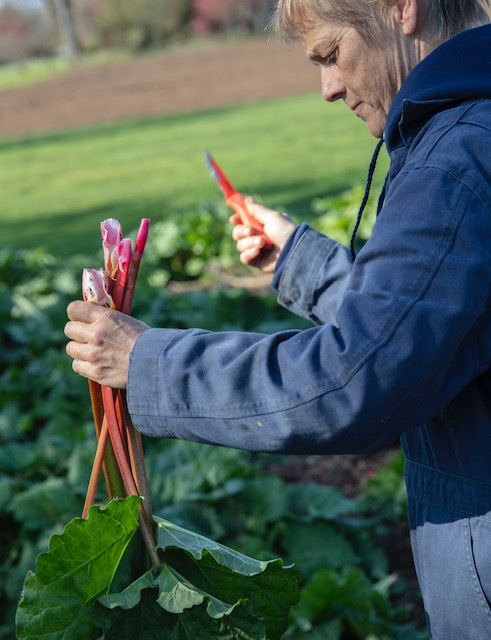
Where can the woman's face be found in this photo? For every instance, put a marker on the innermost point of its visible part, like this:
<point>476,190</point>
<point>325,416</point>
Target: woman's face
<point>363,76</point>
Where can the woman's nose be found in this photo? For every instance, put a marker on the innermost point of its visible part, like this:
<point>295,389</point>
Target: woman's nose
<point>331,84</point>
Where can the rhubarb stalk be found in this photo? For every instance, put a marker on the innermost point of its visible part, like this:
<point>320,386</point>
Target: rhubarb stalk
<point>124,260</point>
<point>116,433</point>
<point>141,240</point>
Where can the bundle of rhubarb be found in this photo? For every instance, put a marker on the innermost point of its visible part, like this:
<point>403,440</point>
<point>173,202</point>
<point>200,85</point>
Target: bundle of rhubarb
<point>122,457</point>
<point>96,582</point>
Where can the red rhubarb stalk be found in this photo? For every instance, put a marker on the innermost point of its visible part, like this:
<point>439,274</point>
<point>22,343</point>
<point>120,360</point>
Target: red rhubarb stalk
<point>124,467</point>
<point>141,240</point>
<point>95,289</point>
<point>105,459</point>
<point>137,459</point>
<point>124,259</point>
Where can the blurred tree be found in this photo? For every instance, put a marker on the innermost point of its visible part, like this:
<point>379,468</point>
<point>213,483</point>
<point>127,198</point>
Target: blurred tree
<point>23,34</point>
<point>215,16</point>
<point>141,23</point>
<point>64,18</point>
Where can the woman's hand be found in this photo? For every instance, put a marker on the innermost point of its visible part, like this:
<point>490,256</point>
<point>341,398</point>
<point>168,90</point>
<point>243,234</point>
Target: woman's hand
<point>277,226</point>
<point>101,342</point>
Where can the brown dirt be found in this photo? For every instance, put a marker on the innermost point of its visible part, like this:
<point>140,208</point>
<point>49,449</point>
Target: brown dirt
<point>177,80</point>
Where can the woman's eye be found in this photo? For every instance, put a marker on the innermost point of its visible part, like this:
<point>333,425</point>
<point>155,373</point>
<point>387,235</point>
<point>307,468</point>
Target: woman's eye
<point>331,58</point>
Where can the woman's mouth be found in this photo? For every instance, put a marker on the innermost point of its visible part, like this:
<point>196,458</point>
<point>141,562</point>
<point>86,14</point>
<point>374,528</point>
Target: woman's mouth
<point>357,109</point>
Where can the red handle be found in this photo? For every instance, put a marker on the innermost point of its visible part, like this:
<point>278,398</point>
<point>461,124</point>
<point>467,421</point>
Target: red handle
<point>237,203</point>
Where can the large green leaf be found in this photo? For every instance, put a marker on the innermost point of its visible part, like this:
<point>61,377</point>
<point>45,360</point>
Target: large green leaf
<point>58,599</point>
<point>147,621</point>
<point>203,590</point>
<point>230,576</point>
<point>171,535</point>
<point>182,603</point>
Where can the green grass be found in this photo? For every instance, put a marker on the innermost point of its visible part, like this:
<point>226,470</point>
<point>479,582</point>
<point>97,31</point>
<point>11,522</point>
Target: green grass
<point>56,188</point>
<point>19,74</point>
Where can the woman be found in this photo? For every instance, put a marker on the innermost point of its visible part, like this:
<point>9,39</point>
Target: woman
<point>402,342</point>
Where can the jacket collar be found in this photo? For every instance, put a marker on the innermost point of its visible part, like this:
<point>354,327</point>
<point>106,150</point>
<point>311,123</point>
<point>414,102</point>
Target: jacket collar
<point>457,70</point>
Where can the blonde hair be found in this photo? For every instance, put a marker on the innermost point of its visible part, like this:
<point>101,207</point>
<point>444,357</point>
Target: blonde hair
<point>442,19</point>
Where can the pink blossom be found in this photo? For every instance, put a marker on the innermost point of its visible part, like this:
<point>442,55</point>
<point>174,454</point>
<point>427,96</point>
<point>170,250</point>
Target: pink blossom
<point>111,237</point>
<point>95,287</point>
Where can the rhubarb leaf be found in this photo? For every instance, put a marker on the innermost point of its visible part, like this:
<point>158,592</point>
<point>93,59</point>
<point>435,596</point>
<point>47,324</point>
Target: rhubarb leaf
<point>57,601</point>
<point>203,591</point>
<point>171,535</point>
<point>145,621</point>
<point>175,595</point>
<point>231,577</point>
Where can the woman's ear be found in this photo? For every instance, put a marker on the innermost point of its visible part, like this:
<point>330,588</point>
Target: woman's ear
<point>406,14</point>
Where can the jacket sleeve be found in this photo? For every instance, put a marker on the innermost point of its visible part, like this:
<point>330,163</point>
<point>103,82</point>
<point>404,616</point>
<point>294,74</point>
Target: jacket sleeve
<point>313,276</point>
<point>411,331</point>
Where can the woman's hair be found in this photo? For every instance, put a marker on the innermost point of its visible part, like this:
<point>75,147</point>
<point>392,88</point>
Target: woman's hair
<point>442,19</point>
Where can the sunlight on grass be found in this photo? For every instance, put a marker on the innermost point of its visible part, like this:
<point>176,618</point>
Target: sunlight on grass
<point>21,73</point>
<point>26,72</point>
<point>284,151</point>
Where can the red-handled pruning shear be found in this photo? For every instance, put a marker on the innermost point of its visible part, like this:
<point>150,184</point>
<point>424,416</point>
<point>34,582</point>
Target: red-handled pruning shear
<point>235,200</point>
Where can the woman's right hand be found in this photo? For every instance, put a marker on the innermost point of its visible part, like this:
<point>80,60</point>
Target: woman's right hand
<point>277,227</point>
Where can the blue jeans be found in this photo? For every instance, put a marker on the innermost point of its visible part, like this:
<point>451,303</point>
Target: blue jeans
<point>452,553</point>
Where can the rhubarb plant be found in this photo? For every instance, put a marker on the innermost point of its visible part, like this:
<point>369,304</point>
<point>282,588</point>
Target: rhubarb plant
<point>121,572</point>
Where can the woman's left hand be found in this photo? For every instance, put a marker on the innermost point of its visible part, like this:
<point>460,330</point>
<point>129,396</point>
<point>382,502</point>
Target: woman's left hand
<point>101,342</point>
<point>251,245</point>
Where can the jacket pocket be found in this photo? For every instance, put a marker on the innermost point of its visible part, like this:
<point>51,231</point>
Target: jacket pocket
<point>478,552</point>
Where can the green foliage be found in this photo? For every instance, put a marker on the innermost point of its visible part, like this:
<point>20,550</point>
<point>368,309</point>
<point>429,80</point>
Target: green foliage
<point>221,590</point>
<point>57,600</point>
<point>47,444</point>
<point>337,215</point>
<point>385,493</point>
<point>136,24</point>
<point>182,246</point>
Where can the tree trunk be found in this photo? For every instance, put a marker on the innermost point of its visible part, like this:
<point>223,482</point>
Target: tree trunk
<point>65,25</point>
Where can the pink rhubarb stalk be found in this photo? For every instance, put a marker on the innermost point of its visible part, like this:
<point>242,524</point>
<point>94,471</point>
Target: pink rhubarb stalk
<point>141,240</point>
<point>124,261</point>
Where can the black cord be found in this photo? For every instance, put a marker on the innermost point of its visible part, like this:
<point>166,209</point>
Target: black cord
<point>371,170</point>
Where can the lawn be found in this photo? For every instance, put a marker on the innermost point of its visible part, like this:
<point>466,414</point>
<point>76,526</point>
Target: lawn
<point>56,187</point>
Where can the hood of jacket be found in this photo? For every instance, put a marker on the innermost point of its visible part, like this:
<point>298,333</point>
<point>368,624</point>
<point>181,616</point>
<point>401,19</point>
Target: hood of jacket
<point>457,70</point>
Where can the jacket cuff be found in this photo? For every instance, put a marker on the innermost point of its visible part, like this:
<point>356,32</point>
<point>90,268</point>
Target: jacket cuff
<point>285,254</point>
<point>299,278</point>
<point>142,391</point>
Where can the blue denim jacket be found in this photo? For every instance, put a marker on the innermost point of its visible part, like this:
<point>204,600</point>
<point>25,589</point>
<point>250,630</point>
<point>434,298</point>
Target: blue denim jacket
<point>401,345</point>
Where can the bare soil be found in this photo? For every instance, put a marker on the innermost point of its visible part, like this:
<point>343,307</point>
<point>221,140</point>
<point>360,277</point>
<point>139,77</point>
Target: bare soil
<point>181,79</point>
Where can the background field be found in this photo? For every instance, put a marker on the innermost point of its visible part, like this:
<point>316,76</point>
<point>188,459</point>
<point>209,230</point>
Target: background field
<point>254,104</point>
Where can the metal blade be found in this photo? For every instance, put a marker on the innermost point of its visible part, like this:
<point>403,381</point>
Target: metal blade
<point>222,181</point>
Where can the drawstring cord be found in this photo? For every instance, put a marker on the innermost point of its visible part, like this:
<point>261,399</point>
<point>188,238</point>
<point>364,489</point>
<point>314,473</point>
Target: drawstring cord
<point>365,197</point>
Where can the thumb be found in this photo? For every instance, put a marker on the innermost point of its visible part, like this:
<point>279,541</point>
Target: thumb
<point>257,210</point>
<point>84,311</point>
